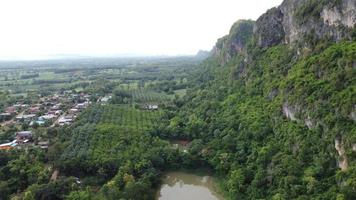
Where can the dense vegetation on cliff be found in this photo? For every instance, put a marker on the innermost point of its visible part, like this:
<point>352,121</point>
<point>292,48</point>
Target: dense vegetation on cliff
<point>245,136</point>
<point>276,119</point>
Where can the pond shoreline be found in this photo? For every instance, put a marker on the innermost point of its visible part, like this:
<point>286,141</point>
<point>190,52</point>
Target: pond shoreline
<point>197,184</point>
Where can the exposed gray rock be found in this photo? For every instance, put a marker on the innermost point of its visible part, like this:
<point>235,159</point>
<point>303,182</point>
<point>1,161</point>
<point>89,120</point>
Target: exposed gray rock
<point>240,34</point>
<point>345,16</point>
<point>230,45</point>
<point>342,161</point>
<point>280,25</point>
<point>353,114</point>
<point>309,123</point>
<point>289,111</point>
<point>269,28</point>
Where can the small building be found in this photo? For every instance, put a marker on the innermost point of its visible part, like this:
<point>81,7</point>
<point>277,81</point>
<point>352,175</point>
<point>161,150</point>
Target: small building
<point>55,97</point>
<point>105,99</point>
<point>23,136</point>
<point>152,107</point>
<point>48,103</point>
<point>56,107</point>
<point>73,110</point>
<point>51,112</point>
<point>25,117</point>
<point>5,116</point>
<point>34,110</point>
<point>43,144</point>
<point>21,105</point>
<point>38,122</point>
<point>82,105</point>
<point>69,117</point>
<point>66,120</point>
<point>58,112</point>
<point>47,117</point>
<point>17,105</point>
<point>11,110</point>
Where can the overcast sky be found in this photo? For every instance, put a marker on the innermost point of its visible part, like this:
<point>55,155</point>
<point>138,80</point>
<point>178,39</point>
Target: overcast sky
<point>33,28</point>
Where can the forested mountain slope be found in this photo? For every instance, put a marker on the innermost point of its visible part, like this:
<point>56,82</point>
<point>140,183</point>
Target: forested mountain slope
<point>274,107</point>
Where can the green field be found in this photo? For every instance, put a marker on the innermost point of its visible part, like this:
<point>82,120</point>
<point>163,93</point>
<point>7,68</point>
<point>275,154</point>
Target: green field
<point>124,116</point>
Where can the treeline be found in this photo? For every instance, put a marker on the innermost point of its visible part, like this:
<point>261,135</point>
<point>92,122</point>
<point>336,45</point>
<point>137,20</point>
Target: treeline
<point>51,81</point>
<point>29,76</point>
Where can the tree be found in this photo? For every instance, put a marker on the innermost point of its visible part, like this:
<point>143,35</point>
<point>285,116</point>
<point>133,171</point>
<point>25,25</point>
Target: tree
<point>235,182</point>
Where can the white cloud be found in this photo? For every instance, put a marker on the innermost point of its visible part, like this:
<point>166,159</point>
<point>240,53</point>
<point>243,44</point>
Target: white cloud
<point>99,27</point>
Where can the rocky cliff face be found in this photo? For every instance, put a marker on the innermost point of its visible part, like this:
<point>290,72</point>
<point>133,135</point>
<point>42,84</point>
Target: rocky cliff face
<point>234,43</point>
<point>346,15</point>
<point>297,24</point>
<point>269,28</point>
<point>294,20</point>
<point>291,23</point>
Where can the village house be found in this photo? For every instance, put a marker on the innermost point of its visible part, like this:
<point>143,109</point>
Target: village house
<point>51,112</point>
<point>48,103</point>
<point>43,144</point>
<point>11,110</point>
<point>58,112</point>
<point>23,136</point>
<point>152,107</point>
<point>82,105</point>
<point>17,105</point>
<point>66,120</point>
<point>105,99</point>
<point>47,117</point>
<point>25,118</point>
<point>56,107</point>
<point>21,105</point>
<point>67,92</point>
<point>5,116</point>
<point>54,97</point>
<point>34,110</point>
<point>73,110</point>
<point>38,122</point>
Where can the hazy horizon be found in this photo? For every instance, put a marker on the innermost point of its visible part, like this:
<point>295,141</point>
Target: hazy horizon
<point>41,29</point>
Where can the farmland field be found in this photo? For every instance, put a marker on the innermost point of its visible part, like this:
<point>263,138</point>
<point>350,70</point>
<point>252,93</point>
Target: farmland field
<point>126,117</point>
<point>22,78</point>
<point>103,133</point>
<point>113,108</point>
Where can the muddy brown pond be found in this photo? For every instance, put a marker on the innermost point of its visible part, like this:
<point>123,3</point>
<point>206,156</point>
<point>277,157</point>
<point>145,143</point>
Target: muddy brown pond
<point>186,186</point>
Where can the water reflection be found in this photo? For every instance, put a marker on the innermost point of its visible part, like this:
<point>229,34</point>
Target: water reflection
<point>184,186</point>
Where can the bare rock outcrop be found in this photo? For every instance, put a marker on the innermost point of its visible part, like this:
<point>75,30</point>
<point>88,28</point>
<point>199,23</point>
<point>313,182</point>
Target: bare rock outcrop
<point>342,161</point>
<point>293,20</point>
<point>290,111</point>
<point>269,28</point>
<point>234,43</point>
